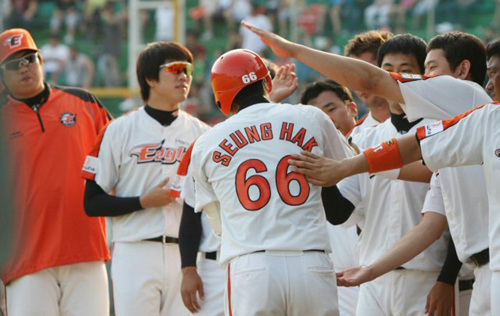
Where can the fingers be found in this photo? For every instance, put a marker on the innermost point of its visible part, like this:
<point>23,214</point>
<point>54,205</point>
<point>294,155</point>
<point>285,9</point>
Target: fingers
<point>194,301</point>
<point>280,72</point>
<point>187,300</point>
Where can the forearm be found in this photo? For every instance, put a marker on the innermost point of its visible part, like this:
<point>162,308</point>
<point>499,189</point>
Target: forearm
<point>451,266</point>
<point>190,231</point>
<point>99,203</point>
<point>412,244</point>
<point>416,171</point>
<point>352,73</point>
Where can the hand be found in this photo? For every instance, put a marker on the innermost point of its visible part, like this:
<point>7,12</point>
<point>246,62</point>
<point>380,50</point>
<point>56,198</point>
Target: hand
<point>319,170</point>
<point>440,300</point>
<point>190,286</point>
<point>280,46</point>
<point>284,83</point>
<point>158,196</point>
<point>354,276</point>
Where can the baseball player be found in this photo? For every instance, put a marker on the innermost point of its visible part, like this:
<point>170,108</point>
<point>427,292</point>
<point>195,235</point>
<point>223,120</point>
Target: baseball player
<point>493,55</point>
<point>58,262</point>
<point>467,92</point>
<point>444,144</point>
<point>274,240</point>
<point>203,283</point>
<point>127,178</point>
<point>365,46</point>
<point>337,102</point>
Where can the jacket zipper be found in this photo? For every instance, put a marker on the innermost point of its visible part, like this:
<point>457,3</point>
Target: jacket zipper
<point>36,108</point>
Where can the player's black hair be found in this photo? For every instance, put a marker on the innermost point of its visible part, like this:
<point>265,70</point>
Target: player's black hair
<point>405,44</point>
<point>250,95</point>
<point>153,56</point>
<point>459,46</point>
<point>366,42</point>
<point>493,49</point>
<point>314,89</point>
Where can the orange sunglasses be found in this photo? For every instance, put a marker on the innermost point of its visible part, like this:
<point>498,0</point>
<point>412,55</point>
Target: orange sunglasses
<point>176,67</point>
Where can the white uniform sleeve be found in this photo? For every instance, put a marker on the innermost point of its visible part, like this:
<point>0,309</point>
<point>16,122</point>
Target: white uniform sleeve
<point>455,142</point>
<point>107,172</point>
<point>440,97</point>
<point>188,189</point>
<point>350,188</point>
<point>335,144</point>
<point>205,198</point>
<point>434,197</point>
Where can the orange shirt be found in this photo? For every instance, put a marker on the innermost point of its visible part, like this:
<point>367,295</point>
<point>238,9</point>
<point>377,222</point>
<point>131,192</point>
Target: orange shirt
<point>52,228</point>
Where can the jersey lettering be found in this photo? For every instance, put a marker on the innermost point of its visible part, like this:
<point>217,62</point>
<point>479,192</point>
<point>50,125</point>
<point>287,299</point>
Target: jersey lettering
<point>253,134</point>
<point>217,157</point>
<point>284,181</point>
<point>151,153</point>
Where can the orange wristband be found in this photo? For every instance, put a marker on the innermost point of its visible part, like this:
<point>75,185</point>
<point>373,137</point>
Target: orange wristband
<point>384,157</point>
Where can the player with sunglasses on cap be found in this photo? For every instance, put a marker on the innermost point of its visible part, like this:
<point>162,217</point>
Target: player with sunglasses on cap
<point>57,266</point>
<point>129,174</point>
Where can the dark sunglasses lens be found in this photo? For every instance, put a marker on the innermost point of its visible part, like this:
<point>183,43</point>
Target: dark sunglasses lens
<point>17,63</point>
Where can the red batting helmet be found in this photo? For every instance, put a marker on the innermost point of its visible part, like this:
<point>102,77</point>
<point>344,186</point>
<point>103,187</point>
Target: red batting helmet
<point>232,72</point>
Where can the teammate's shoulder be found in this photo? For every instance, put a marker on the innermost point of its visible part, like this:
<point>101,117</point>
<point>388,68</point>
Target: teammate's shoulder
<point>194,121</point>
<point>80,93</point>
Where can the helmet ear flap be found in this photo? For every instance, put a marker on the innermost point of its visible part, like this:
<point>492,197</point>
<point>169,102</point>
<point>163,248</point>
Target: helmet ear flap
<point>232,72</point>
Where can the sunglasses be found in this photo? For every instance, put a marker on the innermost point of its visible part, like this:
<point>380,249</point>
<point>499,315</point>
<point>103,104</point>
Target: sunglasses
<point>15,64</point>
<point>177,67</point>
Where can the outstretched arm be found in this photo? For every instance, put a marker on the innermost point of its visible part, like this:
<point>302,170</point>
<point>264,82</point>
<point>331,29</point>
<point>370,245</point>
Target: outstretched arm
<point>391,154</point>
<point>352,73</point>
<point>414,242</point>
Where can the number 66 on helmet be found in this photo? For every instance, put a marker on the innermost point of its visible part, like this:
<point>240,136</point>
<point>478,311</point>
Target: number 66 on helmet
<point>232,72</point>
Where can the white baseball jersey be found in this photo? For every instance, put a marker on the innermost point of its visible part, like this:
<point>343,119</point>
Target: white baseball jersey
<point>135,155</point>
<point>462,190</point>
<point>242,164</point>
<point>468,139</point>
<point>464,202</point>
<point>438,97</point>
<point>391,207</point>
<point>364,123</point>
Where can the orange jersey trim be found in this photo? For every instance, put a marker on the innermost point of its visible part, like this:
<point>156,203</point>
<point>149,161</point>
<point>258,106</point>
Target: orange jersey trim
<point>439,126</point>
<point>403,77</point>
<point>358,122</point>
<point>182,170</point>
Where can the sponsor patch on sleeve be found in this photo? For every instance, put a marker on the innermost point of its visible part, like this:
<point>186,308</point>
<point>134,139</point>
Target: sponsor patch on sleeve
<point>434,128</point>
<point>90,168</point>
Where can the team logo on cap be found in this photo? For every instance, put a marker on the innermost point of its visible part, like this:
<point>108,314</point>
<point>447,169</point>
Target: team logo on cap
<point>497,152</point>
<point>68,119</point>
<point>14,41</point>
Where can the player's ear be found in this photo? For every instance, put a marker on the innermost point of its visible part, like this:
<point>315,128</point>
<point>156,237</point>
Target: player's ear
<point>463,70</point>
<point>353,107</point>
<point>151,82</point>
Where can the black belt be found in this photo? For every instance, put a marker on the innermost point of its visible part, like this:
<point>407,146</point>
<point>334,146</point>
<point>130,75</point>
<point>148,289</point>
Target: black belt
<point>211,255</point>
<point>481,258</point>
<point>465,285</point>
<point>164,239</point>
<point>307,250</point>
